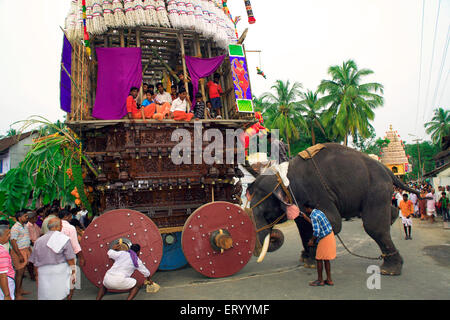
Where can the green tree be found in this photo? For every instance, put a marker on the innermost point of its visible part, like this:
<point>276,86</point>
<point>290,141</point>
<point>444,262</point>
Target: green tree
<point>310,106</point>
<point>43,174</point>
<point>439,126</point>
<point>260,104</point>
<point>351,103</point>
<point>427,151</point>
<point>284,111</point>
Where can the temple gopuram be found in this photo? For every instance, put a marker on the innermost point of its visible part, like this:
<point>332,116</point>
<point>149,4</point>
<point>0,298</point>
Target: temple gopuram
<point>393,156</point>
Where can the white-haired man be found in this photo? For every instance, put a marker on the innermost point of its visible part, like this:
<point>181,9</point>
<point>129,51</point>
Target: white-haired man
<point>54,261</point>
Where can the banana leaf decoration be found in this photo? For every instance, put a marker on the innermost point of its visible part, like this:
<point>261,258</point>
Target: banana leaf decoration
<point>42,174</point>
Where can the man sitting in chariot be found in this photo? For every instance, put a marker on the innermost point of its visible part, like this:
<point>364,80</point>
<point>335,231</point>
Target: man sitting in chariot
<point>180,106</point>
<point>132,107</point>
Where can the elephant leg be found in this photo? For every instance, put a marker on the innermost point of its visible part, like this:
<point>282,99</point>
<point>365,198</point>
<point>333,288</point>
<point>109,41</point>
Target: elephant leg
<point>306,232</point>
<point>377,223</point>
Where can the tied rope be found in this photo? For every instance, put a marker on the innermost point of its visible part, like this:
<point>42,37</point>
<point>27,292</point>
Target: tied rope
<point>250,212</point>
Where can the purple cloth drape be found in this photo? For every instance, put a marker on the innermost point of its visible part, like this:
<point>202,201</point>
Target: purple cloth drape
<point>65,96</point>
<point>119,69</point>
<point>202,68</point>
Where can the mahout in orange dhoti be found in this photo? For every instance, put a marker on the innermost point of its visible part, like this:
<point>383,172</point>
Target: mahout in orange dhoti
<point>326,248</point>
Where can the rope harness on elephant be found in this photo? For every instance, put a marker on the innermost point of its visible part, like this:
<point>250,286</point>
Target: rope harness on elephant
<point>329,192</point>
<point>250,212</point>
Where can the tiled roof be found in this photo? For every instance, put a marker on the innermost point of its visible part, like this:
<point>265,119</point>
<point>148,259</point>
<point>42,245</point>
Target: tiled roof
<point>8,142</point>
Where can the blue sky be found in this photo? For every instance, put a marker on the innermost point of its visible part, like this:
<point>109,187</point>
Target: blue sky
<point>299,41</point>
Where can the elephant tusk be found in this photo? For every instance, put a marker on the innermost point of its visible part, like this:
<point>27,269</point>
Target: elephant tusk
<point>264,248</point>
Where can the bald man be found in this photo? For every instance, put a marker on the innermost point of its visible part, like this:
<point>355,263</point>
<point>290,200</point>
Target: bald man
<point>54,262</point>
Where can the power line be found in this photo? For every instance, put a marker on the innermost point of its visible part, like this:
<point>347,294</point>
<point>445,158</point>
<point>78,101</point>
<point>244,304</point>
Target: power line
<point>443,88</point>
<point>420,65</point>
<point>444,57</point>
<point>432,59</point>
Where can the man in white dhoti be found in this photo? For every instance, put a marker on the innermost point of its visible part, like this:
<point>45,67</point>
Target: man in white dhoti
<point>118,277</point>
<point>54,262</point>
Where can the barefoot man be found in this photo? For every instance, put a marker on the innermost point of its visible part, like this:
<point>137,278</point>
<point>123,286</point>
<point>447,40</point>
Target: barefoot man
<point>326,247</point>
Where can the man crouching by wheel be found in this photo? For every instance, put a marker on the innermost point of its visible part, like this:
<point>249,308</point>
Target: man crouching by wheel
<point>119,276</point>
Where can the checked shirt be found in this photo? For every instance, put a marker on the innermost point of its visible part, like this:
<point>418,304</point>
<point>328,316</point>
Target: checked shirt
<point>321,225</point>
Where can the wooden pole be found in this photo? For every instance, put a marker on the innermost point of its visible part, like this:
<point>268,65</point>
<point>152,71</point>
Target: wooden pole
<point>243,36</point>
<point>248,71</point>
<point>80,82</point>
<point>198,50</point>
<point>183,59</point>
<point>138,44</point>
<point>138,37</point>
<point>122,38</point>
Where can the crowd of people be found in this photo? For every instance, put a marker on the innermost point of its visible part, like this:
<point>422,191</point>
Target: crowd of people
<point>428,206</point>
<point>46,243</point>
<point>178,104</point>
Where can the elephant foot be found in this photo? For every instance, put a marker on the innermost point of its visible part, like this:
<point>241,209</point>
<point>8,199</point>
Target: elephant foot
<point>307,261</point>
<point>304,256</point>
<point>309,266</point>
<point>392,265</point>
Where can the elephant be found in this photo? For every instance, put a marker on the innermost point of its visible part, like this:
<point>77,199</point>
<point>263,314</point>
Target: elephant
<point>344,183</point>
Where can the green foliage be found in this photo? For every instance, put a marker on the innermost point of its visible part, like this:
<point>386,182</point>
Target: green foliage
<point>282,111</point>
<point>350,103</point>
<point>42,174</point>
<point>311,107</point>
<point>439,126</point>
<point>15,191</point>
<point>371,144</point>
<point>427,151</point>
<point>305,118</point>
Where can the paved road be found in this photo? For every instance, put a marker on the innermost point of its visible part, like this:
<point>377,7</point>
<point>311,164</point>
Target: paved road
<point>280,276</point>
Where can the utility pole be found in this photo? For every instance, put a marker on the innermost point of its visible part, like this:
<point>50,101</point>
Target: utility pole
<point>419,173</point>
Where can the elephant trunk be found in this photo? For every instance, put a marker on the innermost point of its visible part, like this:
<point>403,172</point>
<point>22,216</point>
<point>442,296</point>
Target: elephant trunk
<point>276,240</point>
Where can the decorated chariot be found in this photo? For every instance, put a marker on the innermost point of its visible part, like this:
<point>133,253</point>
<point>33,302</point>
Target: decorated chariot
<point>179,213</point>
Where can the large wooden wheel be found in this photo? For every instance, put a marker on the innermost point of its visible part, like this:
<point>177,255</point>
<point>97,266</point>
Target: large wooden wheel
<point>130,226</point>
<point>218,239</point>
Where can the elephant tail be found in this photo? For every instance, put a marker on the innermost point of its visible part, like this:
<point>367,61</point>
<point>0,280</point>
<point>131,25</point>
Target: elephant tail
<point>399,184</point>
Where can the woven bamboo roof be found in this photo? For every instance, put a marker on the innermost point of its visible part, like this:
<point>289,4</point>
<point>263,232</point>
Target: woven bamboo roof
<point>394,153</point>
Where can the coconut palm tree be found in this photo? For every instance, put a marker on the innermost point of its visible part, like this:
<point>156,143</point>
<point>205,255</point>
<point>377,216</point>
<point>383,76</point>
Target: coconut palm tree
<point>351,103</point>
<point>310,106</point>
<point>260,104</point>
<point>439,126</point>
<point>283,111</point>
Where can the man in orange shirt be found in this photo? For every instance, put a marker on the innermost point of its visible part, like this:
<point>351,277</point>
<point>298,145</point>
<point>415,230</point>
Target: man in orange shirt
<point>215,91</point>
<point>132,108</point>
<point>407,209</point>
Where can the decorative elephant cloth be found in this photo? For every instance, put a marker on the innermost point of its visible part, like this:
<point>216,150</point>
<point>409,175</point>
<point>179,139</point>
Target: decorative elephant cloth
<point>312,150</point>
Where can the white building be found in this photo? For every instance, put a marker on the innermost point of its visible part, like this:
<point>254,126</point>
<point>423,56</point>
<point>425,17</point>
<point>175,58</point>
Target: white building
<point>13,150</point>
